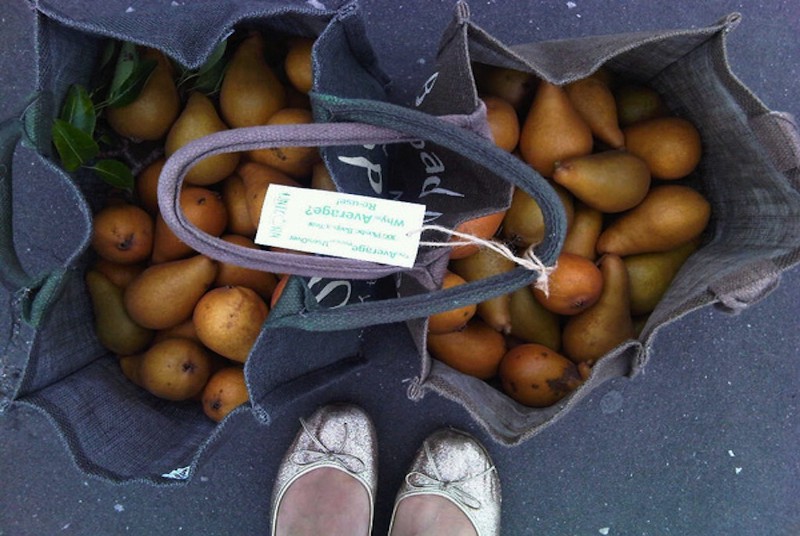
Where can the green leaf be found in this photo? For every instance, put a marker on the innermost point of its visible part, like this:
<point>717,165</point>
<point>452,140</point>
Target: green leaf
<point>131,88</point>
<point>126,63</point>
<point>208,78</point>
<point>74,146</point>
<point>78,109</point>
<point>114,173</point>
<point>214,59</point>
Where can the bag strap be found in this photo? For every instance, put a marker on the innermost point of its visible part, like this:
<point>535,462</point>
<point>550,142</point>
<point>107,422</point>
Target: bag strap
<point>348,122</point>
<point>354,122</point>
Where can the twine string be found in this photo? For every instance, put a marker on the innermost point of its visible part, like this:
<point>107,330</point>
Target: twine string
<point>527,260</point>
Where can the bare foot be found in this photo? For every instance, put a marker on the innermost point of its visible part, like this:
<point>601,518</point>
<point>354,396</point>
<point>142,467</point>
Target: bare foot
<point>324,501</point>
<point>430,515</point>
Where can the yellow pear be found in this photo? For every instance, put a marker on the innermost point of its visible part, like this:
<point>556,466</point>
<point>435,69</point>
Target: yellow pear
<point>175,369</point>
<point>298,65</point>
<point>164,295</point>
<point>581,239</point>
<point>671,146</point>
<point>256,179</point>
<point>151,115</point>
<point>591,334</point>
<point>531,322</point>
<point>114,328</point>
<point>669,216</point>
<point>487,263</point>
<point>595,103</point>
<point>553,130</point>
<point>650,275</point>
<point>250,91</point>
<point>523,223</point>
<point>199,118</point>
<point>611,181</point>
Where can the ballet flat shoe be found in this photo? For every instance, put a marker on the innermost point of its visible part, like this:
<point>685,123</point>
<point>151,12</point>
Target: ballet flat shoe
<point>339,436</point>
<point>454,465</point>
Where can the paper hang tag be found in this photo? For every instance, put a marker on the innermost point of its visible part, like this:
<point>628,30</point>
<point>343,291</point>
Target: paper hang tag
<point>341,225</point>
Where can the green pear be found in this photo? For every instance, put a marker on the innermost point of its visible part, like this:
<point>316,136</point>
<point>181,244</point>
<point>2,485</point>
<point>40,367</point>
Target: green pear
<point>114,328</point>
<point>250,92</point>
<point>164,295</point>
<point>669,216</point>
<point>481,265</point>
<point>531,322</point>
<point>199,118</point>
<point>591,334</point>
<point>611,181</point>
<point>650,275</point>
<point>154,110</point>
<point>637,102</point>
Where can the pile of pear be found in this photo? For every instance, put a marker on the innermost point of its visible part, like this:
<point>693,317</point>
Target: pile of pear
<point>622,165</point>
<point>181,324</point>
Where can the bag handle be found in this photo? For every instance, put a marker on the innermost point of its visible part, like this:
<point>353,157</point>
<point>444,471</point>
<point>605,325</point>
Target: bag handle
<point>354,122</point>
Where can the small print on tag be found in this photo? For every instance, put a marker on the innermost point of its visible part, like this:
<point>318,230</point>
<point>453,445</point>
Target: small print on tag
<point>341,225</point>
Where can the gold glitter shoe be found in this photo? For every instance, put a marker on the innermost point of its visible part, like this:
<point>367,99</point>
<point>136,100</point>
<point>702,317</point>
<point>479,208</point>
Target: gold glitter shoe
<point>338,436</point>
<point>454,465</point>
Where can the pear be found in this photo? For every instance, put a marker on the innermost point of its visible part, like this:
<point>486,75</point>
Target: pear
<point>228,320</point>
<point>475,350</point>
<point>574,286</point>
<point>611,181</point>
<point>175,369</point>
<point>296,162</point>
<point>263,283</point>
<point>523,224</point>
<point>119,274</point>
<point>669,216</point>
<point>234,196</point>
<point>531,322</point>
<point>298,65</point>
<point>605,325</point>
<point>650,275</point>
<point>164,295</point>
<point>199,118</point>
<point>671,146</point>
<point>321,178</point>
<point>250,92</point>
<point>147,185</point>
<point>256,179</point>
<point>204,209</point>
<point>636,102</point>
<point>553,130</point>
<point>131,366</point>
<point>151,115</point>
<point>595,103</point>
<point>453,319</point>
<point>581,239</point>
<point>487,263</point>
<point>114,328</point>
<point>484,227</point>
<point>503,122</point>
<point>514,87</point>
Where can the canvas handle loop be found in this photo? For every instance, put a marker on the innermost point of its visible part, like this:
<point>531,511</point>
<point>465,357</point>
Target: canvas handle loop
<point>780,136</point>
<point>365,128</point>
